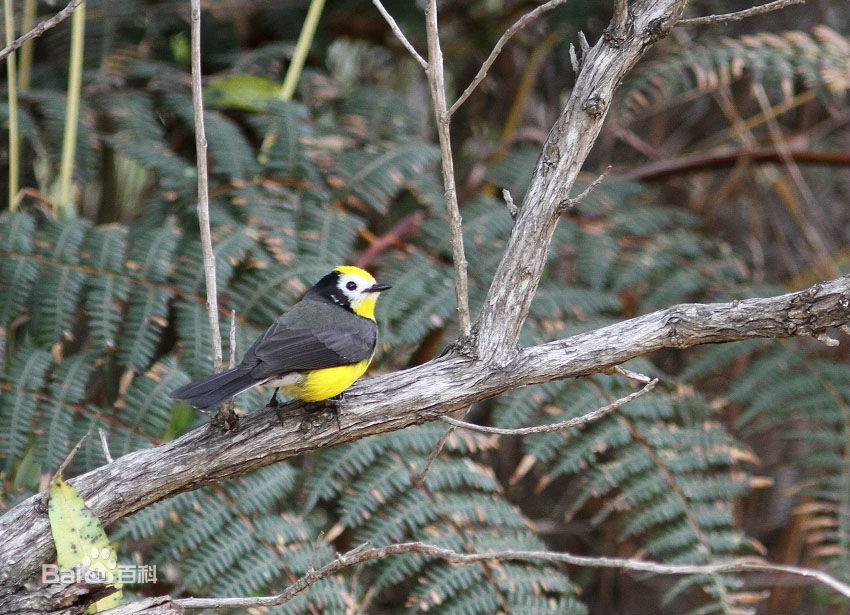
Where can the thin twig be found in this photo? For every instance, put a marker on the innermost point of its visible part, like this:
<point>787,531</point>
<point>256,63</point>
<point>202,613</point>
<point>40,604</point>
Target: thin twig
<point>203,186</point>
<point>738,15</point>
<point>432,456</point>
<point>518,25</point>
<point>14,174</point>
<point>45,493</point>
<point>228,411</point>
<point>583,44</point>
<point>436,81</point>
<point>105,445</point>
<point>573,422</point>
<point>509,202</point>
<point>399,34</point>
<point>725,157</point>
<point>232,349</point>
<point>627,373</point>
<point>41,28</point>
<point>576,63</point>
<point>365,553</point>
<point>575,200</point>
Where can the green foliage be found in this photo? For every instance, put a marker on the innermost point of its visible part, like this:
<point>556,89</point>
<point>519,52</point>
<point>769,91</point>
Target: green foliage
<point>373,487</point>
<point>816,61</point>
<point>782,389</point>
<point>660,466</point>
<point>102,316</point>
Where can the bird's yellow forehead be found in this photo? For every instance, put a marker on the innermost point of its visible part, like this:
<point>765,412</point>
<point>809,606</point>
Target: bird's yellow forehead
<point>351,270</point>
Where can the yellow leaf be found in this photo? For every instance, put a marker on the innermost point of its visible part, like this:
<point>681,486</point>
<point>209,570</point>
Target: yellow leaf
<point>80,539</point>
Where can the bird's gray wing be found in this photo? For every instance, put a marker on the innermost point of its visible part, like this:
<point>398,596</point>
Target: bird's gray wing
<point>313,338</point>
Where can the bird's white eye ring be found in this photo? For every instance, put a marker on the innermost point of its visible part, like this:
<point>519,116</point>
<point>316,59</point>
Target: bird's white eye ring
<point>351,285</point>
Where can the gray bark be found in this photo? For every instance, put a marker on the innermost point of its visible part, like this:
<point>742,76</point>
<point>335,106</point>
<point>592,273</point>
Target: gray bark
<point>397,400</point>
<point>487,364</point>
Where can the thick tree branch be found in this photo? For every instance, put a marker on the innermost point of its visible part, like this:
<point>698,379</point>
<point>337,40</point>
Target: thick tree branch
<point>564,152</point>
<point>397,400</point>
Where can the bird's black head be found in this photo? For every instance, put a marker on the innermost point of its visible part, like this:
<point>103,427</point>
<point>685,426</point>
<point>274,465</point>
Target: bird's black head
<point>327,289</point>
<point>351,288</point>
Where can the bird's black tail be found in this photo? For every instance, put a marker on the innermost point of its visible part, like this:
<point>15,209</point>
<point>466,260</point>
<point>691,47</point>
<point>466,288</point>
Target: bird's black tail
<point>213,390</point>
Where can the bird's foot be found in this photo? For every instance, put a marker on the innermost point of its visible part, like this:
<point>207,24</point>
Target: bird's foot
<point>274,402</point>
<point>333,404</point>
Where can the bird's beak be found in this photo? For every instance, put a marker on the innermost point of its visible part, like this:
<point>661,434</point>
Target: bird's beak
<point>377,287</point>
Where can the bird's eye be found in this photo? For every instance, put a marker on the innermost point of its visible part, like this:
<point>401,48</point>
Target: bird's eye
<point>351,285</point>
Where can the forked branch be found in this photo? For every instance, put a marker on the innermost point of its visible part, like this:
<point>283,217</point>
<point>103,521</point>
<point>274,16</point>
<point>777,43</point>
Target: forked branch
<point>393,401</point>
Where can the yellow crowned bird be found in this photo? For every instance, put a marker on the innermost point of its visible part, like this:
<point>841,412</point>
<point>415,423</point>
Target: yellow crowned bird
<point>313,352</point>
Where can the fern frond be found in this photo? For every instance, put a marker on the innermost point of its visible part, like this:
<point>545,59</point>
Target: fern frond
<point>377,177</point>
<point>57,291</point>
<point>385,113</point>
<point>668,482</point>
<point>106,292</point>
<point>68,386</point>
<point>286,155</point>
<point>459,506</point>
<point>147,407</point>
<point>818,59</point>
<point>422,299</point>
<point>23,379</point>
<point>144,319</point>
<point>150,258</point>
<point>17,273</point>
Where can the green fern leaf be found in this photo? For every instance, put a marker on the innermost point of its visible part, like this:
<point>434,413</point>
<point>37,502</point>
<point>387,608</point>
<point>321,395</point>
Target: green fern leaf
<point>377,177</point>
<point>24,377</point>
<point>57,291</point>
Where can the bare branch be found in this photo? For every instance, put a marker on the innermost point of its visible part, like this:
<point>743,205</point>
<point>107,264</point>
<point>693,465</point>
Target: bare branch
<point>564,152</point>
<point>627,373</point>
<point>576,63</point>
<point>105,445</point>
<point>577,421</point>
<point>518,25</point>
<point>203,186</point>
<point>45,492</point>
<point>41,28</point>
<point>509,202</point>
<point>575,200</point>
<point>621,15</point>
<point>394,401</point>
<point>365,553</point>
<point>399,34</point>
<point>419,479</point>
<point>739,15</point>
<point>436,81</point>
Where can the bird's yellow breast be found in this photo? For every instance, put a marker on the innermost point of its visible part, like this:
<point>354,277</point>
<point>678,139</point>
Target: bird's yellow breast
<point>320,384</point>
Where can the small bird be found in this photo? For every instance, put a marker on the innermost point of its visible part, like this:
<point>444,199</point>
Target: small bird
<point>313,352</point>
